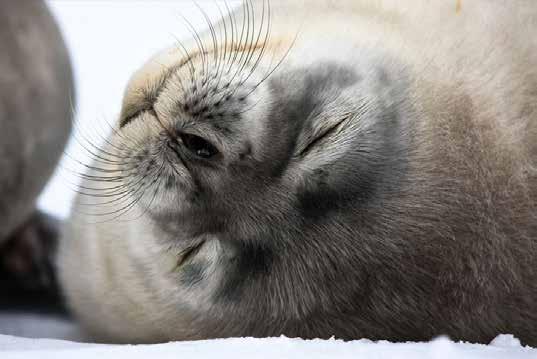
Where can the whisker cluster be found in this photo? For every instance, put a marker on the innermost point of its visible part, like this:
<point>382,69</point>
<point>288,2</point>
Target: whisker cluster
<point>233,54</point>
<point>117,178</point>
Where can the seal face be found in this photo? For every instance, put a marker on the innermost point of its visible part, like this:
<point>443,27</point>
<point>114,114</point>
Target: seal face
<point>328,184</point>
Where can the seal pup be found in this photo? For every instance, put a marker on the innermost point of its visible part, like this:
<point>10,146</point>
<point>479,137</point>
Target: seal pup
<point>365,172</point>
<point>36,98</point>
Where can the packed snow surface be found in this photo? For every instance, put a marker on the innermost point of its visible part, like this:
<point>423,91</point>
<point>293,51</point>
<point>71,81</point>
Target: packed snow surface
<point>502,347</point>
<point>24,329</point>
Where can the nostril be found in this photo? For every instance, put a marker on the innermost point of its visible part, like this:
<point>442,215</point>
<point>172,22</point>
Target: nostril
<point>173,145</point>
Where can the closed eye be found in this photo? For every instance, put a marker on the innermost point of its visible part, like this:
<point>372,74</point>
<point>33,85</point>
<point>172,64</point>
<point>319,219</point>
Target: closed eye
<point>318,139</point>
<point>321,134</point>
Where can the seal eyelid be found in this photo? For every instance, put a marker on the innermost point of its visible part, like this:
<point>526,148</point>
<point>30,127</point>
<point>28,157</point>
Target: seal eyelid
<point>198,145</point>
<point>323,134</point>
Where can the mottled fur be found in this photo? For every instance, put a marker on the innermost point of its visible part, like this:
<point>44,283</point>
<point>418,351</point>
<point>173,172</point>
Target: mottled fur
<point>380,183</point>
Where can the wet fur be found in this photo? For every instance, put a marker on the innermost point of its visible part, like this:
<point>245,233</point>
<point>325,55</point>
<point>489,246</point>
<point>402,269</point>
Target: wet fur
<point>380,184</point>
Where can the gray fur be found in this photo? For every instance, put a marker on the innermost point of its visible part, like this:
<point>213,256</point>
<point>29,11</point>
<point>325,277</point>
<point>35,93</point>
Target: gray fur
<point>35,106</point>
<point>193,273</point>
<point>363,190</point>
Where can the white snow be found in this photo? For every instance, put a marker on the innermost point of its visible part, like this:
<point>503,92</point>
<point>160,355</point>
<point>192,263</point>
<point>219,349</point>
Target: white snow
<point>270,348</point>
<point>108,41</point>
<point>39,326</point>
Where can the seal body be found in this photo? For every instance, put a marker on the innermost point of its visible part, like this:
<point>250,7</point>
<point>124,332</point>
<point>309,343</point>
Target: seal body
<point>36,99</point>
<point>365,172</point>
<point>36,88</point>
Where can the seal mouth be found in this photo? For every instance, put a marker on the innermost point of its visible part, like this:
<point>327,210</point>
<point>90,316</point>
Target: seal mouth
<point>189,253</point>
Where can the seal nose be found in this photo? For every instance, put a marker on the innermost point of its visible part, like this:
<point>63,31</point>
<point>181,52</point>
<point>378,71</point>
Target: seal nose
<point>174,145</point>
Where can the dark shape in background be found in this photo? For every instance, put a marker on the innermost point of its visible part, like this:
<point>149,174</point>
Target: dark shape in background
<point>36,99</point>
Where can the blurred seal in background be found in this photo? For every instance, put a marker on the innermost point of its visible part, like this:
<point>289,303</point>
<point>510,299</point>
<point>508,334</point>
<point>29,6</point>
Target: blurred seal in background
<point>36,98</point>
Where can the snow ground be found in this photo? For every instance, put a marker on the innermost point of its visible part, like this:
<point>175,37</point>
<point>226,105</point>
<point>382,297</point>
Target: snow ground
<point>270,348</point>
<point>108,40</point>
